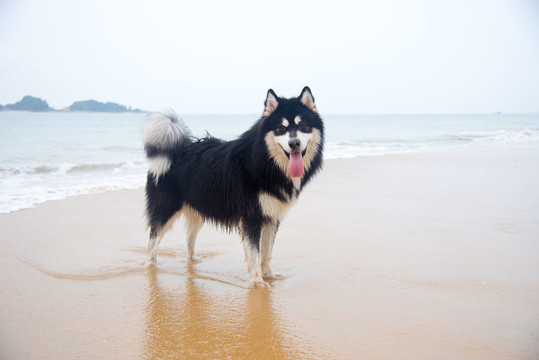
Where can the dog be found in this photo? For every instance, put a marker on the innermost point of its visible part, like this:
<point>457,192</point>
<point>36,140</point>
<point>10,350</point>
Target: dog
<point>247,184</point>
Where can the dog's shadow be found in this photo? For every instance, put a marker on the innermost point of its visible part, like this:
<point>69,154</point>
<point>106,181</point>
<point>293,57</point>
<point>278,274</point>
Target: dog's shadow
<point>207,319</point>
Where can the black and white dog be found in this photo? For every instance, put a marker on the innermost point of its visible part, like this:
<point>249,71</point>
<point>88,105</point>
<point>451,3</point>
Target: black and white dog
<point>246,184</point>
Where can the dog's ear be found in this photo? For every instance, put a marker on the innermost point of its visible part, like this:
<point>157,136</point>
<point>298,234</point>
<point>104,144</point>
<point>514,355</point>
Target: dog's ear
<point>307,98</point>
<point>271,103</point>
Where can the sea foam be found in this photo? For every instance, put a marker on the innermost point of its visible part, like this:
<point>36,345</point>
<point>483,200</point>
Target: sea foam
<point>51,156</point>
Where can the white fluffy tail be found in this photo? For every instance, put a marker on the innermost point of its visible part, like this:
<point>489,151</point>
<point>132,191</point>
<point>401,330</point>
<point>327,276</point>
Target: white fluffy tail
<point>164,134</point>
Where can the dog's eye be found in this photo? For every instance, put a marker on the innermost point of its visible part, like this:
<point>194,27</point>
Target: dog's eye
<point>281,130</point>
<point>302,126</point>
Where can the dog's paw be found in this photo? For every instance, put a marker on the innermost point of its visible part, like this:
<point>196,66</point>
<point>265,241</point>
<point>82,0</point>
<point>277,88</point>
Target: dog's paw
<point>150,262</point>
<point>257,284</point>
<point>273,276</point>
<point>195,259</point>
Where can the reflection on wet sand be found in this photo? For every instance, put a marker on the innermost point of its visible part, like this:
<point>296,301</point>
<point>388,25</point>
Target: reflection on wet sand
<point>214,322</point>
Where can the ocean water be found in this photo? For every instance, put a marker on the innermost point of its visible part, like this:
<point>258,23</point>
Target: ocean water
<point>49,156</point>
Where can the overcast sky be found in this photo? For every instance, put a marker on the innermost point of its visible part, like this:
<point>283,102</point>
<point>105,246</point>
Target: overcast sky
<point>196,56</point>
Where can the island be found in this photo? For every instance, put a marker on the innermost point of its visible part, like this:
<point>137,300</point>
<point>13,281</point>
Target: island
<point>93,105</point>
<point>30,103</point>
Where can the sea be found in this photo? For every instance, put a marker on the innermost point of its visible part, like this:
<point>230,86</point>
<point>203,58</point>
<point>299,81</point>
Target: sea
<point>53,155</point>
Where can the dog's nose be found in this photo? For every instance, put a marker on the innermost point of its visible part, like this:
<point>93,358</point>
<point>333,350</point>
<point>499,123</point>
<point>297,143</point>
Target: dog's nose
<point>294,144</point>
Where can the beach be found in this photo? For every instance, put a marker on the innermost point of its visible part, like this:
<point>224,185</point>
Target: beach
<point>407,256</point>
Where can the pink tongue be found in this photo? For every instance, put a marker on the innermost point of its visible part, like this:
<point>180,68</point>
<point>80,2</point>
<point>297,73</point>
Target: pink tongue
<point>296,164</point>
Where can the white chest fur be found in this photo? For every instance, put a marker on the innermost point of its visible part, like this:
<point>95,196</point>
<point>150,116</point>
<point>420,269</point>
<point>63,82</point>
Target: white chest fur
<point>273,207</point>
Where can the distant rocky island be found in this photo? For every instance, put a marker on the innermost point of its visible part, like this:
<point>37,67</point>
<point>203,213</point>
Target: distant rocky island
<point>93,105</point>
<point>30,103</point>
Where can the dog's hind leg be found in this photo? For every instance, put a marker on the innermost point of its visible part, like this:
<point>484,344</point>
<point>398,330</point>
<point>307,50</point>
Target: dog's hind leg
<point>157,231</point>
<point>163,207</point>
<point>193,223</point>
<point>153,244</point>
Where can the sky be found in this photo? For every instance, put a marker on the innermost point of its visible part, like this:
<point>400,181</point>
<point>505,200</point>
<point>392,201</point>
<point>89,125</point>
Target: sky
<point>358,57</point>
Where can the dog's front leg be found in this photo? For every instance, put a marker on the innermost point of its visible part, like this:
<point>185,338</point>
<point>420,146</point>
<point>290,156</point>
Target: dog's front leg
<point>267,240</point>
<point>252,258</point>
<point>250,233</point>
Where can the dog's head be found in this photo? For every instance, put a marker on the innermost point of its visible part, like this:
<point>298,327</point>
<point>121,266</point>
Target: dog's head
<point>293,131</point>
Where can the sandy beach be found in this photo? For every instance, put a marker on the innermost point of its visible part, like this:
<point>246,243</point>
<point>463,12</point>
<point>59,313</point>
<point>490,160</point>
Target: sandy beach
<point>413,256</point>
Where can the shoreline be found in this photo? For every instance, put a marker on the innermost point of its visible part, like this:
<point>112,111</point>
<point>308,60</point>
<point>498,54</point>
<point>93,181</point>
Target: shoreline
<point>410,256</point>
<point>489,150</point>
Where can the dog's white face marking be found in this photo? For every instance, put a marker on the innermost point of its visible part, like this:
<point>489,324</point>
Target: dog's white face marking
<point>304,139</point>
<point>283,141</point>
<point>285,138</point>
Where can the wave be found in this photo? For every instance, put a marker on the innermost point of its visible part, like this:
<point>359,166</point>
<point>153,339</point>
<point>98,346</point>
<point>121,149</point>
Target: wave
<point>380,147</point>
<point>26,186</point>
<point>71,168</point>
<point>85,168</point>
<point>509,136</point>
<point>28,194</point>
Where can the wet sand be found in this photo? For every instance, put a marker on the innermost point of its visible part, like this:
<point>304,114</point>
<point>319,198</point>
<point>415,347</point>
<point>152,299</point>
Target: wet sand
<point>422,256</point>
